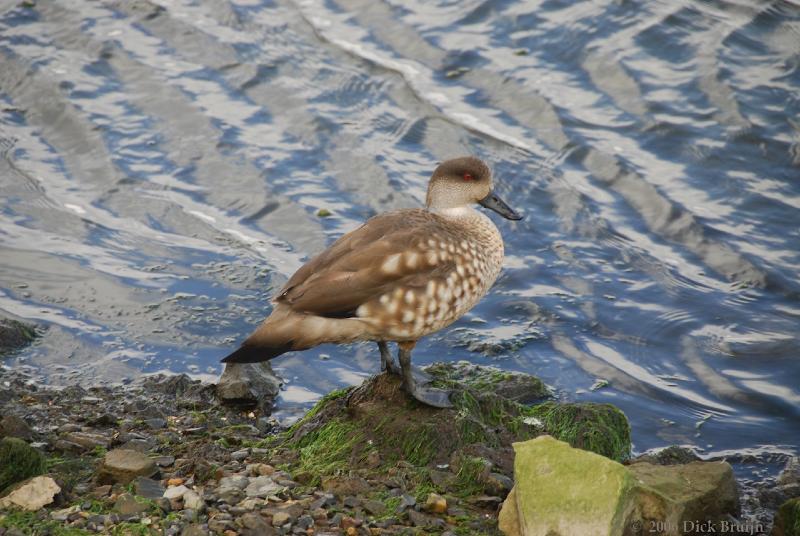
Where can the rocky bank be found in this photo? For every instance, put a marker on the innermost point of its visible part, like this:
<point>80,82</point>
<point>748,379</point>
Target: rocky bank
<point>164,456</point>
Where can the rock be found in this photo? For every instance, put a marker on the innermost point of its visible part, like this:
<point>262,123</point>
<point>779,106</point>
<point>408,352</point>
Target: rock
<point>148,488</point>
<point>585,491</point>
<point>790,473</point>
<point>15,335</point>
<point>590,494</point>
<point>248,385</point>
<point>673,455</point>
<point>497,484</point>
<point>256,525</point>
<point>31,494</point>
<point>698,491</point>
<point>418,519</point>
<point>126,504</point>
<point>342,486</point>
<point>261,486</point>
<point>436,504</point>
<point>787,519</point>
<point>13,426</point>
<point>240,455</point>
<point>19,461</point>
<point>514,386</point>
<point>279,519</point>
<point>176,492</point>
<point>376,508</point>
<point>85,440</point>
<point>194,530</point>
<point>236,481</point>
<point>164,461</point>
<point>193,501</point>
<point>123,465</point>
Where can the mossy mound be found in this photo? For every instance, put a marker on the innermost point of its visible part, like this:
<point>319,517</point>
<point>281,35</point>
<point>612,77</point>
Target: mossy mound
<point>787,521</point>
<point>14,335</point>
<point>599,428</point>
<point>18,461</point>
<point>375,428</point>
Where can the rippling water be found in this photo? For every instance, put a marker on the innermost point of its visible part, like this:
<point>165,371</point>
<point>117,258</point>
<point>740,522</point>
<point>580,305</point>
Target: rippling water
<point>164,165</point>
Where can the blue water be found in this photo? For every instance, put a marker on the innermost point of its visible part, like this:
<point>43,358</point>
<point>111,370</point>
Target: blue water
<point>164,164</point>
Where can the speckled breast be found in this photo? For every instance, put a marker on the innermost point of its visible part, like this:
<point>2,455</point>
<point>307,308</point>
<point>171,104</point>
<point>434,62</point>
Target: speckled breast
<point>457,265</point>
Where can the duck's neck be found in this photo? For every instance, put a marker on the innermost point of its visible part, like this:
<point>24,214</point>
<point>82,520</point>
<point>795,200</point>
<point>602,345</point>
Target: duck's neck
<point>463,211</point>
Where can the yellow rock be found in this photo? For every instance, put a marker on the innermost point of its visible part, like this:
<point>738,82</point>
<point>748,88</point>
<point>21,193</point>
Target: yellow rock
<point>436,504</point>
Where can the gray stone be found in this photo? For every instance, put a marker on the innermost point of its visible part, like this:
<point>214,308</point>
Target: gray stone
<point>418,519</point>
<point>248,385</point>
<point>194,530</point>
<point>376,508</point>
<point>127,505</point>
<point>240,455</point>
<point>235,481</point>
<point>156,423</point>
<point>164,461</point>
<point>193,501</point>
<point>497,484</point>
<point>148,488</point>
<point>175,492</point>
<point>86,440</point>
<point>256,523</point>
<point>261,486</point>
<point>123,465</point>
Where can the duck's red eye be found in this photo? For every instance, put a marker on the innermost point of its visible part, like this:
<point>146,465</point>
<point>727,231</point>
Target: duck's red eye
<point>468,177</point>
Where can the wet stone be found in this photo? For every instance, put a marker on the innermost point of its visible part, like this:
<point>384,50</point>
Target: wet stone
<point>126,504</point>
<point>148,488</point>
<point>122,466</point>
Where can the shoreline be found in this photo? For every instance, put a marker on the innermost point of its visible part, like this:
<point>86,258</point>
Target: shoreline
<point>226,470</point>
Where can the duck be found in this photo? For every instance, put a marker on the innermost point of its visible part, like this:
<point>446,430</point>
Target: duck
<point>402,275</point>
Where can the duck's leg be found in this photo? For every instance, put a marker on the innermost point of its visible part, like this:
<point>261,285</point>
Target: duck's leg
<point>438,398</point>
<point>387,361</point>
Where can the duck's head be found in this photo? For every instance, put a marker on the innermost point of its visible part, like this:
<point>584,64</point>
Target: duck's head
<point>462,182</point>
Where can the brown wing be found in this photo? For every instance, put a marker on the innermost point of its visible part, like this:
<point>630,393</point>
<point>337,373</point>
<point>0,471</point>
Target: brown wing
<point>388,250</point>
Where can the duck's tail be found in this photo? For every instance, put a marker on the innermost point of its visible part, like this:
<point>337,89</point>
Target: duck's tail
<point>247,353</point>
<point>286,330</point>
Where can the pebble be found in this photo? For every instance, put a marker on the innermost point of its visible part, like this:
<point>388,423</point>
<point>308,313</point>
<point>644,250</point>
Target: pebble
<point>176,492</point>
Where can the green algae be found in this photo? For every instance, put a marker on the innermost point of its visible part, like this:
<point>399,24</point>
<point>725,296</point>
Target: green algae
<point>552,465</point>
<point>599,428</point>
<point>789,517</point>
<point>19,461</point>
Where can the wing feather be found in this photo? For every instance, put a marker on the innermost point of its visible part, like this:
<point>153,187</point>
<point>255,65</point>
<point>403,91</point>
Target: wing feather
<point>357,269</point>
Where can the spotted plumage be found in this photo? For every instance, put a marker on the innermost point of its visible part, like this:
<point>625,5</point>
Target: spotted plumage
<point>400,276</point>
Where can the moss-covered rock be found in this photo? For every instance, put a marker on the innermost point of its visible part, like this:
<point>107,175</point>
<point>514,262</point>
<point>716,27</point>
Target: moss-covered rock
<point>787,520</point>
<point>376,427</point>
<point>599,428</point>
<point>563,491</point>
<point>698,491</point>
<point>18,461</point>
<point>15,335</point>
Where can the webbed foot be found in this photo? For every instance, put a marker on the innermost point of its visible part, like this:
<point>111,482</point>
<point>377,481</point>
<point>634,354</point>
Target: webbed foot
<point>431,396</point>
<point>416,382</point>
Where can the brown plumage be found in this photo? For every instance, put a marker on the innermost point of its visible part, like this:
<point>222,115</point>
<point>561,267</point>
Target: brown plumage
<point>400,276</point>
